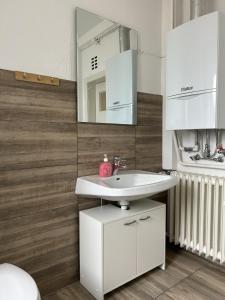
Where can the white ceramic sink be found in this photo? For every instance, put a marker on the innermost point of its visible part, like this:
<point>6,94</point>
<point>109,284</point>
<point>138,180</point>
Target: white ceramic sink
<point>127,186</point>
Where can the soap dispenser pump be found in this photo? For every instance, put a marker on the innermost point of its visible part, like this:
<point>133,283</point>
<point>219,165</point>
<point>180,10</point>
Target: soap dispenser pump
<point>105,168</point>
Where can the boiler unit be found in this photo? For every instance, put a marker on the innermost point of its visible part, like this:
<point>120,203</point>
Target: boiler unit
<point>195,73</point>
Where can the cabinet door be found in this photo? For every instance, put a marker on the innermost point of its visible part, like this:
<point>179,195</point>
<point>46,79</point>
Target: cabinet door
<point>188,113</point>
<point>120,253</point>
<point>192,56</point>
<point>150,240</point>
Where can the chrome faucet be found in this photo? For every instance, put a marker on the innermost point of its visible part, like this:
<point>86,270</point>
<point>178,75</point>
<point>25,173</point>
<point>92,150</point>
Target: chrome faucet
<point>118,164</point>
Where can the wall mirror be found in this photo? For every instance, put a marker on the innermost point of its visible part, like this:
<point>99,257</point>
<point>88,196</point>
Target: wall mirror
<point>106,70</point>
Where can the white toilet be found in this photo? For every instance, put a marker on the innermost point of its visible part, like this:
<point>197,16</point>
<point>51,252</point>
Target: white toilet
<point>16,284</point>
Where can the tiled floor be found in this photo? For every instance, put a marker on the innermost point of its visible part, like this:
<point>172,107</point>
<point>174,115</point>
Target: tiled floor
<point>187,277</point>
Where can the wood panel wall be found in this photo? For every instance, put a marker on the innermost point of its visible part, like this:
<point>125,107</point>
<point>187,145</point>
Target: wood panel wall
<point>38,155</point>
<point>42,151</point>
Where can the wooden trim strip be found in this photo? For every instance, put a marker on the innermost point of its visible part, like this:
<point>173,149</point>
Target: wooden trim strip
<point>23,76</point>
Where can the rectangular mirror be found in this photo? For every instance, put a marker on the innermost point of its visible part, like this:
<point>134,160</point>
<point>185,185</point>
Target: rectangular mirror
<point>106,70</point>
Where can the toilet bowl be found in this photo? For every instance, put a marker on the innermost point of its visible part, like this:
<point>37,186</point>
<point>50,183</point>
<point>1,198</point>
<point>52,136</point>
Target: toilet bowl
<point>16,284</point>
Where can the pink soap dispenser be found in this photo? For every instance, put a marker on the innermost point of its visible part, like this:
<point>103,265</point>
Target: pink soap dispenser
<point>105,168</point>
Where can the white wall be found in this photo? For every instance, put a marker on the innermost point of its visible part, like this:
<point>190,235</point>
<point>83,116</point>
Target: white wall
<point>39,36</point>
<point>168,151</point>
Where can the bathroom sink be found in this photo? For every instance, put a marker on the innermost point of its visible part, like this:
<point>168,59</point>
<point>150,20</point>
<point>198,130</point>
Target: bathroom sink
<point>124,187</point>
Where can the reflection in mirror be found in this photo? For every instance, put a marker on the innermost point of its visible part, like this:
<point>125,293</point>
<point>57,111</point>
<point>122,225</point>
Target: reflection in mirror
<point>106,70</point>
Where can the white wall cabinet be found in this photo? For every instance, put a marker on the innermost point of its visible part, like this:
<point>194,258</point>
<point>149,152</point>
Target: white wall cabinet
<point>195,72</point>
<point>121,79</point>
<point>116,246</point>
<point>192,56</point>
<point>121,88</point>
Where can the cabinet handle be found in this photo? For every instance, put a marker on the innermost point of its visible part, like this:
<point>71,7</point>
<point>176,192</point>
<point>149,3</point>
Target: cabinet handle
<point>130,223</point>
<point>145,218</point>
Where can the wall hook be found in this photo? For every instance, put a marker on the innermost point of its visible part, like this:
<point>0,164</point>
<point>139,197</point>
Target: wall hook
<point>41,79</point>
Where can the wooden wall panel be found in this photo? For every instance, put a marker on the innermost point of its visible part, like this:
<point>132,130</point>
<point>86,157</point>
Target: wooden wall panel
<point>149,148</point>
<point>37,144</point>
<point>43,243</point>
<point>27,101</point>
<point>42,151</point>
<point>38,169</point>
<point>149,109</point>
<point>24,192</point>
<point>96,139</point>
<point>149,133</point>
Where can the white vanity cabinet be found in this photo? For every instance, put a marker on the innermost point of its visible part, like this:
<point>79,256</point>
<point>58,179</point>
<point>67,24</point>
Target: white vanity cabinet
<point>116,245</point>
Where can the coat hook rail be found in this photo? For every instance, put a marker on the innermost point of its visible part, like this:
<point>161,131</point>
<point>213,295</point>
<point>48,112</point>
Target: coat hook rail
<point>24,76</point>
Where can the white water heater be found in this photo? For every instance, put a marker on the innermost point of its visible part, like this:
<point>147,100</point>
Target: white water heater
<point>195,74</point>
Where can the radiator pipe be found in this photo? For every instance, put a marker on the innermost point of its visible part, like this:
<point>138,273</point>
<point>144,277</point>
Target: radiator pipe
<point>199,165</point>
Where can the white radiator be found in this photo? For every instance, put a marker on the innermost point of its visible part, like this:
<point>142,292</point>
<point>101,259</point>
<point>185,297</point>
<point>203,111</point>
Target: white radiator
<point>197,214</point>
